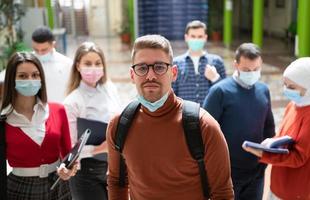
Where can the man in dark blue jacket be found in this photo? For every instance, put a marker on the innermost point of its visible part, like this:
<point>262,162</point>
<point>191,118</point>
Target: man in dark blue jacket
<point>241,104</point>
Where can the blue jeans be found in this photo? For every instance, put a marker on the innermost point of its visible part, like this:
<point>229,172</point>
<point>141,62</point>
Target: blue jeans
<point>248,184</point>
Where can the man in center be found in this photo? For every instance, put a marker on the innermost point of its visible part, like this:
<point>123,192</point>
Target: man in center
<point>159,163</point>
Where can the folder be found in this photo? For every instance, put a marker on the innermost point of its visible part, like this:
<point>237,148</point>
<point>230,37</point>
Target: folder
<point>275,145</point>
<point>98,133</point>
<point>74,154</point>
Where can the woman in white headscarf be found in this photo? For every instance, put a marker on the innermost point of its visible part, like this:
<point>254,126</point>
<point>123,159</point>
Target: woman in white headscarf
<point>290,174</point>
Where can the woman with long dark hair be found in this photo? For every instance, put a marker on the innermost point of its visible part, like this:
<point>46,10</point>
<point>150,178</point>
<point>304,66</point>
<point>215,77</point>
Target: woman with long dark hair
<point>37,133</point>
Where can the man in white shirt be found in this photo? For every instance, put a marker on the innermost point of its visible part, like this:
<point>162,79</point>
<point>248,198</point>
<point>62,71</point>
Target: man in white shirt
<point>56,66</point>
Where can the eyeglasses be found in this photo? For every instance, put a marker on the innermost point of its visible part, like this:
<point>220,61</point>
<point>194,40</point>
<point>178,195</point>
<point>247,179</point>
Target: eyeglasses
<point>141,69</point>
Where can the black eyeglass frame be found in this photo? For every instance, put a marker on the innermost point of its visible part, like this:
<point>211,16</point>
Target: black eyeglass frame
<point>148,68</point>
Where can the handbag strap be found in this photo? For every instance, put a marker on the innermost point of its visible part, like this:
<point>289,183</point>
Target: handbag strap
<point>3,176</point>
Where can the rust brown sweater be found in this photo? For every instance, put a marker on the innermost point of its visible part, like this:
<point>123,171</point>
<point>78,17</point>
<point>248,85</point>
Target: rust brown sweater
<point>158,161</point>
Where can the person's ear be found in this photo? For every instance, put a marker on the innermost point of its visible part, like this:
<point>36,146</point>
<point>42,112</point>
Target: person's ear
<point>174,70</point>
<point>53,44</point>
<point>132,74</point>
<point>185,37</point>
<point>235,64</point>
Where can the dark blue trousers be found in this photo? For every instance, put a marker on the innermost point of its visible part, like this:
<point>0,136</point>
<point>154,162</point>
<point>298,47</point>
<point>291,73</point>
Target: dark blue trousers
<point>248,184</point>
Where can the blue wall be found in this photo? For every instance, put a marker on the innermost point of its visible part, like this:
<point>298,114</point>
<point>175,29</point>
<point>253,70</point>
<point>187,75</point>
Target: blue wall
<point>169,17</point>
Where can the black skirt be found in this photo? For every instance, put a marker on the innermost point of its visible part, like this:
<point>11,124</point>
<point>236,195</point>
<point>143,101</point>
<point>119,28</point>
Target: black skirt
<point>36,188</point>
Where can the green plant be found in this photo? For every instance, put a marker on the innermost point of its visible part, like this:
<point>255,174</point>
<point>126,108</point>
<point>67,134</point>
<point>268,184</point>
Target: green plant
<point>8,51</point>
<point>11,35</point>
<point>215,17</point>
<point>125,28</point>
<point>292,29</point>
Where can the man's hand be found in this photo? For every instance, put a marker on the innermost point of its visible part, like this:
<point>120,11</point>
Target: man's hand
<point>211,73</point>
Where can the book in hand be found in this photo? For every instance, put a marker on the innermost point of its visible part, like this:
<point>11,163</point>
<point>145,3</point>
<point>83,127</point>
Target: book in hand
<point>98,130</point>
<point>273,145</point>
<point>98,133</point>
<point>74,154</point>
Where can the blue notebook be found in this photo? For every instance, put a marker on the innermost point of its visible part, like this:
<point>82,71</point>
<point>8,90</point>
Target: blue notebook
<point>275,145</point>
<point>98,133</point>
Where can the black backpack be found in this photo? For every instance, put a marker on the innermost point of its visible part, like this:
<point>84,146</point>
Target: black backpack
<point>190,118</point>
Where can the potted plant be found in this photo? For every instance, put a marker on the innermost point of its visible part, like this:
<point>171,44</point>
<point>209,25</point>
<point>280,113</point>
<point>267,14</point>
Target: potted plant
<point>215,20</point>
<point>216,35</point>
<point>125,34</point>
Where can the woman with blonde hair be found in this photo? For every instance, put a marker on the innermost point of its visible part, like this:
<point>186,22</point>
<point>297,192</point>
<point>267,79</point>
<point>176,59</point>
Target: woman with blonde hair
<point>93,97</point>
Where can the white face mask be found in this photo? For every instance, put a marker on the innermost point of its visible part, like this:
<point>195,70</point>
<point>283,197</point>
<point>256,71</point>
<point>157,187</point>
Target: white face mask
<point>249,78</point>
<point>196,44</point>
<point>45,58</point>
<point>152,107</point>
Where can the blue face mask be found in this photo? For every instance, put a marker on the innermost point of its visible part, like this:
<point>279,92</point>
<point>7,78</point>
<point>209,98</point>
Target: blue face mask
<point>152,107</point>
<point>249,78</point>
<point>27,87</point>
<point>45,58</point>
<point>291,94</point>
<point>196,45</point>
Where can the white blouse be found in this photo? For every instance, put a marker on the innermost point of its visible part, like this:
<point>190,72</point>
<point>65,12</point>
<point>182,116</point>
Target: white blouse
<point>99,103</point>
<point>57,74</point>
<point>35,128</point>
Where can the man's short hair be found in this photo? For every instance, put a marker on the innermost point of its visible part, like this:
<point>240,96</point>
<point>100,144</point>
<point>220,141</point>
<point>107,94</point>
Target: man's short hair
<point>43,34</point>
<point>247,50</point>
<point>152,42</point>
<point>195,25</point>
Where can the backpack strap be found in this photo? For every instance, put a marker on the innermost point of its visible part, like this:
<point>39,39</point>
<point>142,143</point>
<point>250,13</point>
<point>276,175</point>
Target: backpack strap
<point>123,126</point>
<point>3,176</point>
<point>190,118</point>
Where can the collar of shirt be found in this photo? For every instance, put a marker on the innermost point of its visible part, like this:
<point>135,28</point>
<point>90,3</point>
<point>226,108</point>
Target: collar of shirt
<point>53,52</point>
<point>187,54</point>
<point>196,63</point>
<point>35,128</point>
<point>53,57</point>
<point>239,82</point>
<point>88,90</point>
